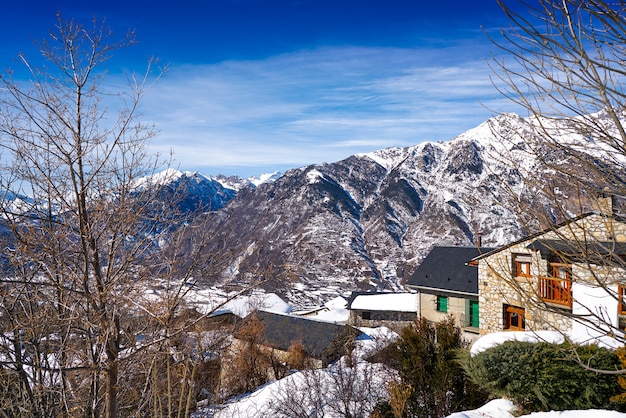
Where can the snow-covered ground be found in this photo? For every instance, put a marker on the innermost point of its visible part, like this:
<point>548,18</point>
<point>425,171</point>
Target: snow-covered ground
<point>502,408</point>
<point>304,392</point>
<point>320,392</point>
<point>553,337</point>
<point>295,389</point>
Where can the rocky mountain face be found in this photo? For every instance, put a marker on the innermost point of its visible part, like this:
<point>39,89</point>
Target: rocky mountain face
<point>367,221</point>
<point>195,191</point>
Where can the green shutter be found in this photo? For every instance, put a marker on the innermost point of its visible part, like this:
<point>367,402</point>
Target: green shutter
<point>442,303</point>
<point>473,313</point>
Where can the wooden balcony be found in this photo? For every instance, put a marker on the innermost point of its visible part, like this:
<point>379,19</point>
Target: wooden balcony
<point>556,290</point>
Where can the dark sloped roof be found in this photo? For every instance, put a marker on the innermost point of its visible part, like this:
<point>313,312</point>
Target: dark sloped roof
<point>445,268</point>
<point>280,331</point>
<point>535,235</point>
<point>532,237</point>
<point>586,249</point>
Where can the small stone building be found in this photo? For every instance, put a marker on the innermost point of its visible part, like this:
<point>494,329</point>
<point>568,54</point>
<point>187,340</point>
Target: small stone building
<point>382,309</point>
<point>566,277</point>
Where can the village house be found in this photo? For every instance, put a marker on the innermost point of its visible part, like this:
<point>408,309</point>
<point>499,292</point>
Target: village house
<point>562,279</point>
<point>323,342</point>
<point>382,309</point>
<point>446,283</point>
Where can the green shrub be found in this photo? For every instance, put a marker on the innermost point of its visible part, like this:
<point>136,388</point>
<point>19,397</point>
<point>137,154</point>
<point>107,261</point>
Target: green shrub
<point>542,376</point>
<point>426,356</point>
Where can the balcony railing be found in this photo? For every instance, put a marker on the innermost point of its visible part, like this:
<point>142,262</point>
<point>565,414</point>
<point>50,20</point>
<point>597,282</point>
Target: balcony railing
<point>556,290</point>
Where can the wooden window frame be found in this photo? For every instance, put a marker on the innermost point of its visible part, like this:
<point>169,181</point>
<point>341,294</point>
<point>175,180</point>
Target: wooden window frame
<point>509,312</point>
<point>522,265</point>
<point>555,267</point>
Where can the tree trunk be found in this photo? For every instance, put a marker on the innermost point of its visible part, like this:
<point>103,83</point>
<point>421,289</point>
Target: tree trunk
<point>112,352</point>
<point>111,390</point>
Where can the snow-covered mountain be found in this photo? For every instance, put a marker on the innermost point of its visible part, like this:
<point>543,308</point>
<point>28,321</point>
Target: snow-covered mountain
<point>367,221</point>
<point>195,191</point>
<point>199,191</point>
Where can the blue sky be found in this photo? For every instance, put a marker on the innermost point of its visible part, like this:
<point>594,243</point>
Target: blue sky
<point>255,86</point>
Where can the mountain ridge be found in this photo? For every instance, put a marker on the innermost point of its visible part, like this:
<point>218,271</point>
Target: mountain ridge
<point>366,222</point>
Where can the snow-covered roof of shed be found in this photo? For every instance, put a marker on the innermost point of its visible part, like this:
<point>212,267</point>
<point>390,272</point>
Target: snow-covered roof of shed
<point>244,304</point>
<point>395,302</point>
<point>339,302</point>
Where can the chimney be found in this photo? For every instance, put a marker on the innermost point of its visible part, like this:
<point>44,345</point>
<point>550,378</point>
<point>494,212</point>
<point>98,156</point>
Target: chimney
<point>605,203</point>
<point>478,239</point>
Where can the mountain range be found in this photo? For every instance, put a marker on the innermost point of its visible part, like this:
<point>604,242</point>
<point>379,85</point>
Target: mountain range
<point>367,221</point>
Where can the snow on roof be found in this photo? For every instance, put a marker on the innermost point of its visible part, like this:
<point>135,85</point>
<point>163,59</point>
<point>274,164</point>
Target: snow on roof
<point>335,315</point>
<point>334,310</point>
<point>243,305</point>
<point>339,302</point>
<point>395,302</point>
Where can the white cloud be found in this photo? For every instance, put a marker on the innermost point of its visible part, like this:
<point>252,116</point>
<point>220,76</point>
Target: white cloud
<point>317,105</point>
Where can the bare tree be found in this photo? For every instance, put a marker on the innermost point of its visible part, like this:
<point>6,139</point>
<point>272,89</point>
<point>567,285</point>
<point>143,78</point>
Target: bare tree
<point>564,68</point>
<point>80,231</point>
<point>341,390</point>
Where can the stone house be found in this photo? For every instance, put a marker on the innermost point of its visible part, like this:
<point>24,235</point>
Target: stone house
<point>446,283</point>
<point>553,279</point>
<point>382,309</point>
<point>323,342</point>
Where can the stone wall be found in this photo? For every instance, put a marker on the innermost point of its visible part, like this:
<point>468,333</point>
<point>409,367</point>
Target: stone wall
<point>497,287</point>
<point>396,320</point>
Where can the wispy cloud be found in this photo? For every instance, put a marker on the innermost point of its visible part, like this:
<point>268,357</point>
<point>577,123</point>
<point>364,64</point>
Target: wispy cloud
<point>317,105</point>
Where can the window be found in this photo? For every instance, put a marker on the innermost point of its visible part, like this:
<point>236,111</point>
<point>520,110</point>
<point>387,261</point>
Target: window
<point>522,265</point>
<point>473,314</point>
<point>442,303</point>
<point>514,318</point>
<point>561,271</point>
<point>367,315</point>
<point>621,306</point>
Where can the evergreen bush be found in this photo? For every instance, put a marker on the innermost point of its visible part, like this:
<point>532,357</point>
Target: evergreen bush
<point>542,376</point>
<point>426,356</point>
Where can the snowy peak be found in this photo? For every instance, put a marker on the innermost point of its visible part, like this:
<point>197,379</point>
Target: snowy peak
<point>390,158</point>
<point>264,178</point>
<point>191,191</point>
